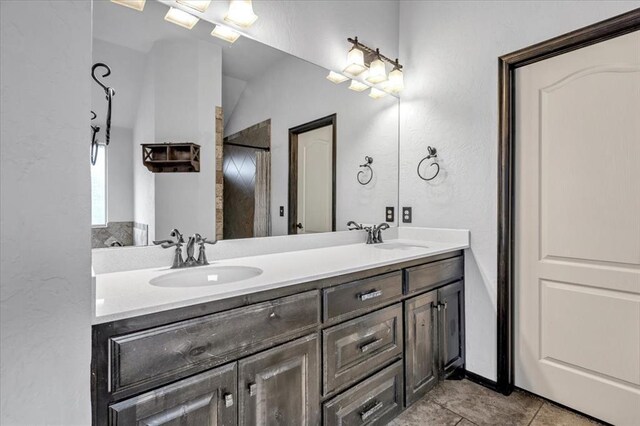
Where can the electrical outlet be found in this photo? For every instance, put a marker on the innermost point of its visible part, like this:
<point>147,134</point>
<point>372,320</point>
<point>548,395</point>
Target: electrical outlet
<point>389,214</point>
<point>406,215</point>
<point>281,211</point>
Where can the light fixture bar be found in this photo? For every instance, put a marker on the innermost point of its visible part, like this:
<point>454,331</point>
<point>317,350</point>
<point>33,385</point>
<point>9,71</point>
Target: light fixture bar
<point>373,52</point>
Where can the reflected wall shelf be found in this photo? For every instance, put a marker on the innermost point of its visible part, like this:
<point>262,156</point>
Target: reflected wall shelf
<point>171,157</point>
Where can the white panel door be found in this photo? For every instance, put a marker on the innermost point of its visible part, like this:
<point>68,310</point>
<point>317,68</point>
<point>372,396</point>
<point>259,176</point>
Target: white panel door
<point>577,229</point>
<point>315,180</point>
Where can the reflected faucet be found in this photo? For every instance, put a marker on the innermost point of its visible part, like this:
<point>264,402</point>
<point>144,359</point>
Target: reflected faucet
<point>353,226</point>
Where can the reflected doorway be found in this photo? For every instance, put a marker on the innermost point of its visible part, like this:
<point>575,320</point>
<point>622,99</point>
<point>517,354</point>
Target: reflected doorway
<point>312,177</point>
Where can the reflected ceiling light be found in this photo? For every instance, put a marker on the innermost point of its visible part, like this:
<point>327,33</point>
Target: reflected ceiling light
<point>180,17</point>
<point>225,33</point>
<point>395,84</point>
<point>241,13</point>
<point>377,70</point>
<point>133,4</point>
<point>358,86</point>
<point>337,78</point>
<point>377,93</point>
<point>355,61</point>
<point>199,5</point>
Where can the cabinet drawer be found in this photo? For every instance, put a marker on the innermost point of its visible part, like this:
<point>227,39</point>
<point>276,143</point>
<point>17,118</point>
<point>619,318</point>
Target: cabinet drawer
<point>206,399</point>
<point>359,295</point>
<point>156,356</point>
<point>355,348</point>
<point>375,401</point>
<point>425,277</point>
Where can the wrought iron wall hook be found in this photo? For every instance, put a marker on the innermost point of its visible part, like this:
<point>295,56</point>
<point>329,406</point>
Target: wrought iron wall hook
<point>432,153</point>
<point>367,164</point>
<point>109,92</point>
<point>94,140</point>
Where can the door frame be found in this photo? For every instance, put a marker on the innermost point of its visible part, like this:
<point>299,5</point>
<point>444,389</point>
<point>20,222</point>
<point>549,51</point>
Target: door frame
<point>507,64</point>
<point>330,120</point>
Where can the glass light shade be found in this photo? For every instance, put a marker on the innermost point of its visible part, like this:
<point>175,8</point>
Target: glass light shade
<point>377,72</point>
<point>199,5</point>
<point>225,33</point>
<point>241,13</point>
<point>133,4</point>
<point>355,62</point>
<point>396,81</point>
<point>377,93</point>
<point>337,78</point>
<point>358,86</point>
<point>180,17</point>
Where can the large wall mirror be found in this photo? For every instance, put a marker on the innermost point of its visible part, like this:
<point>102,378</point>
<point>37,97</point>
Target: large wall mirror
<point>229,140</point>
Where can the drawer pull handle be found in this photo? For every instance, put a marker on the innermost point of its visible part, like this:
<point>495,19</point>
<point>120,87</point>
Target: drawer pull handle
<point>253,389</point>
<point>228,400</point>
<point>371,411</point>
<point>367,346</point>
<point>370,295</point>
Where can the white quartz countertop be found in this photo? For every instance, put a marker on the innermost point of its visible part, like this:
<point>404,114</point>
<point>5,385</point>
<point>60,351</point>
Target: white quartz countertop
<point>126,294</point>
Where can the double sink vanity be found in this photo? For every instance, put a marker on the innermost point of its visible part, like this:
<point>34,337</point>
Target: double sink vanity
<point>339,333</point>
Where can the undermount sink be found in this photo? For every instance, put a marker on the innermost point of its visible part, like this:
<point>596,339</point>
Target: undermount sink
<point>399,246</point>
<point>205,276</point>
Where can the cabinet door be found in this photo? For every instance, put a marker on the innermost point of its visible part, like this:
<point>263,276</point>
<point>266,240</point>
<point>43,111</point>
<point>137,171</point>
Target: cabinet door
<point>451,301</point>
<point>281,386</point>
<point>421,354</point>
<point>208,399</point>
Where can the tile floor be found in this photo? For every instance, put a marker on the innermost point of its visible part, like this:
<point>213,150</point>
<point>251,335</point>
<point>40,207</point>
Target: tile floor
<point>465,403</point>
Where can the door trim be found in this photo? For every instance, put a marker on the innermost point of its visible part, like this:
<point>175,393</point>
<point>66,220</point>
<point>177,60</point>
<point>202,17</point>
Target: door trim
<point>330,120</point>
<point>507,64</point>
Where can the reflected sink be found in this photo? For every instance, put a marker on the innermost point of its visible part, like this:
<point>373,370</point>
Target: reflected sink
<point>205,276</point>
<point>399,246</point>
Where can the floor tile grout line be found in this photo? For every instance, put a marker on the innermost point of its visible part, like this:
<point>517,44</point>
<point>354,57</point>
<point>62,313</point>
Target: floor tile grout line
<point>536,414</point>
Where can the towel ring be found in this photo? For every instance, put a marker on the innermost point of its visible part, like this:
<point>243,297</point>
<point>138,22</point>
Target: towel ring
<point>433,153</point>
<point>368,160</point>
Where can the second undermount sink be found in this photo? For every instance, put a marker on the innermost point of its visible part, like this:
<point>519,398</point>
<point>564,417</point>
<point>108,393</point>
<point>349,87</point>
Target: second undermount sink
<point>205,276</point>
<point>399,246</point>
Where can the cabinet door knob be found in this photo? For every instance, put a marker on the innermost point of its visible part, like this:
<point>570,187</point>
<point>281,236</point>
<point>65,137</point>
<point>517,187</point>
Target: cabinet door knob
<point>253,389</point>
<point>228,400</point>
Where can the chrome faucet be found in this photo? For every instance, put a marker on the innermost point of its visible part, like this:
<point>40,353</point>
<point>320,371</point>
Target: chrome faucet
<point>178,262</point>
<point>191,261</point>
<point>353,226</point>
<point>374,233</point>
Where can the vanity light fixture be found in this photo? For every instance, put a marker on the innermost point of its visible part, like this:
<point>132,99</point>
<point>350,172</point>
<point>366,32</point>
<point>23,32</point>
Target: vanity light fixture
<point>225,33</point>
<point>358,86</point>
<point>377,70</point>
<point>241,13</point>
<point>377,93</point>
<point>337,78</point>
<point>199,5</point>
<point>133,4</point>
<point>180,17</point>
<point>355,60</point>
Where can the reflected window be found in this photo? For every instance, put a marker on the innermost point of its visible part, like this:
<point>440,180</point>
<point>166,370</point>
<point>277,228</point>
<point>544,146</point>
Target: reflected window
<point>99,189</point>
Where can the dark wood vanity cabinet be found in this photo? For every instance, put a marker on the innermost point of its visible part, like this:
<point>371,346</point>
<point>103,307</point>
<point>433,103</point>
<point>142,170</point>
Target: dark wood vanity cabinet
<point>281,386</point>
<point>434,338</point>
<point>349,350</point>
<point>205,399</point>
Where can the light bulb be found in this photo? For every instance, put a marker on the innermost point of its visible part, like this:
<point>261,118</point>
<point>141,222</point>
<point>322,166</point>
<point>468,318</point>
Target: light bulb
<point>225,33</point>
<point>133,4</point>
<point>377,71</point>
<point>355,62</point>
<point>377,93</point>
<point>358,86</point>
<point>199,5</point>
<point>241,13</point>
<point>337,78</point>
<point>396,81</point>
<point>180,17</point>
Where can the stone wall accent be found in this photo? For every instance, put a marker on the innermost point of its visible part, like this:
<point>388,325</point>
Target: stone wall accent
<point>121,232</point>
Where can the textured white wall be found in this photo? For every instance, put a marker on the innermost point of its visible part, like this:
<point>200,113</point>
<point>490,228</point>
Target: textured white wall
<point>120,175</point>
<point>451,50</point>
<point>45,292</point>
<point>295,92</point>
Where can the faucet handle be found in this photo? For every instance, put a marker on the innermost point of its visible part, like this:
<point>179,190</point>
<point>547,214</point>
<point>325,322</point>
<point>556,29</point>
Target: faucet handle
<point>177,235</point>
<point>203,240</point>
<point>167,243</point>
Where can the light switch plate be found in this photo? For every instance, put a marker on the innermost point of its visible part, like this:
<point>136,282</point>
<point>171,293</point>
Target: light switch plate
<point>389,214</point>
<point>406,215</point>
